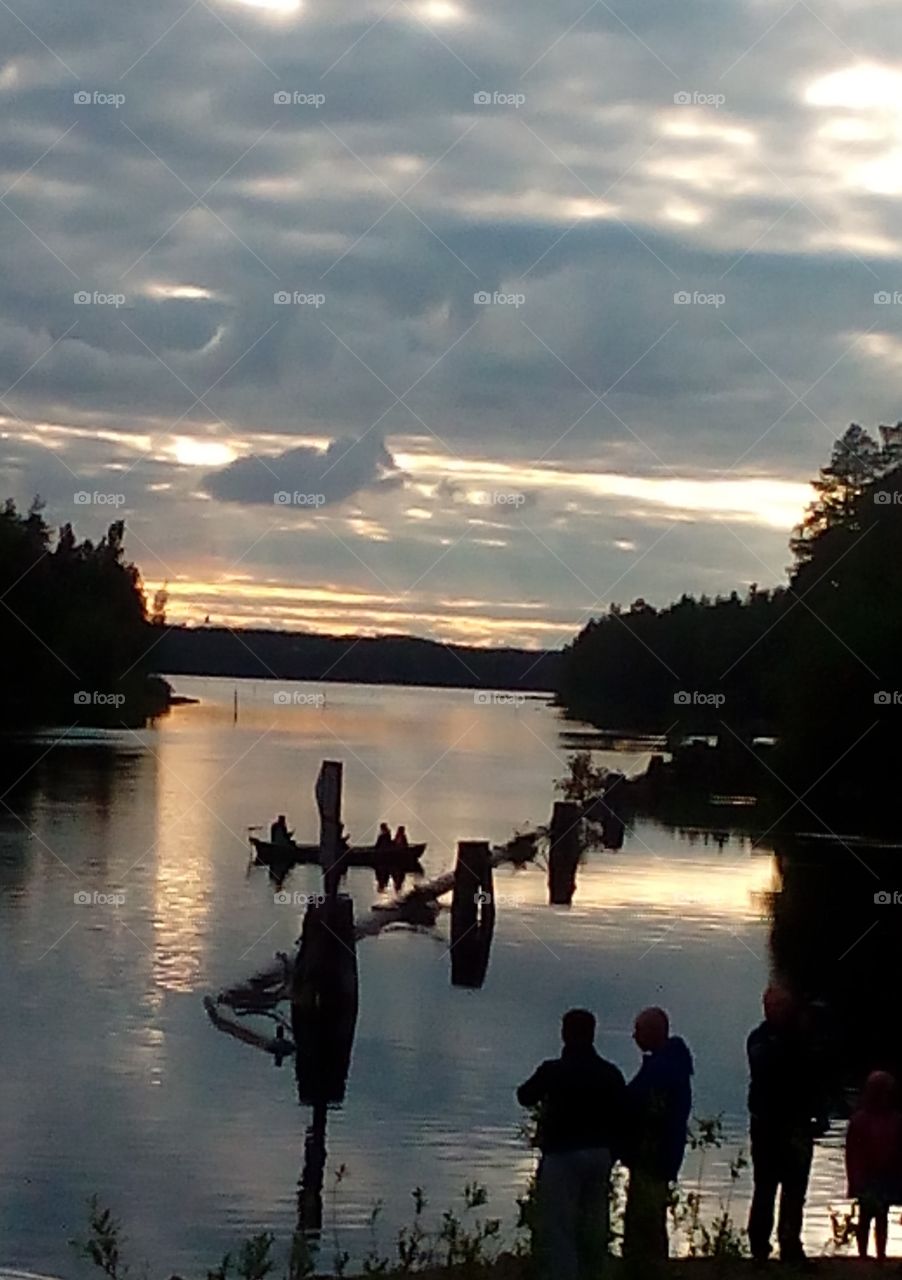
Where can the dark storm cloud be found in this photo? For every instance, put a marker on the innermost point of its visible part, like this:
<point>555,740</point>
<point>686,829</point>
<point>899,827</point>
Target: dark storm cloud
<point>347,466</point>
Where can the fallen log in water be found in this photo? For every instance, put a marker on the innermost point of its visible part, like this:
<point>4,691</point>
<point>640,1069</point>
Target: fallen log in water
<point>415,908</point>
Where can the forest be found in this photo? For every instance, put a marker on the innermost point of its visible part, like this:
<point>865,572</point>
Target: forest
<point>814,662</point>
<point>75,628</point>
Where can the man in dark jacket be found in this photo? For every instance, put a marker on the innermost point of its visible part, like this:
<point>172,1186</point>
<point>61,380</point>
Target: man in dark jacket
<point>787,1107</point>
<point>660,1100</point>
<point>581,1099</point>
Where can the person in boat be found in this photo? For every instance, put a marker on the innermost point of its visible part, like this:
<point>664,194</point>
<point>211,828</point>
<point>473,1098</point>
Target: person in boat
<point>382,853</point>
<point>400,841</point>
<point>278,832</point>
<point>400,845</point>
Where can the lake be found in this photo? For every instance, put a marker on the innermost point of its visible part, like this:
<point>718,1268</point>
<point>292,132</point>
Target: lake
<point>114,1081</point>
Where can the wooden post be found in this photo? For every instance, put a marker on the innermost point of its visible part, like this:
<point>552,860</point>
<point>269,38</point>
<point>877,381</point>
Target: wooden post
<point>563,858</point>
<point>472,913</point>
<point>328,800</point>
<point>324,1000</point>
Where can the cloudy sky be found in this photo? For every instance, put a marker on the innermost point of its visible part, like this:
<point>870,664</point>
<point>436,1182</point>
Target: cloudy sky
<point>429,316</point>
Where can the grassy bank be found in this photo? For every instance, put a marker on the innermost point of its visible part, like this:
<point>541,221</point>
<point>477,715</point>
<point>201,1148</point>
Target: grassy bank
<point>847,1268</point>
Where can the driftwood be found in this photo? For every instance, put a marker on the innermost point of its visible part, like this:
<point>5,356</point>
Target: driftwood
<point>416,908</point>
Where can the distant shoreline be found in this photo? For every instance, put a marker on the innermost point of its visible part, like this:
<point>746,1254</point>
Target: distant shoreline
<point>406,661</point>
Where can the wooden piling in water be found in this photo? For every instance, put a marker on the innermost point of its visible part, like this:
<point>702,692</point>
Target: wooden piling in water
<point>324,1000</point>
<point>563,857</point>
<point>472,913</point>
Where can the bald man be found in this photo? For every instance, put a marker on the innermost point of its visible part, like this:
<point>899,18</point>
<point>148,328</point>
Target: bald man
<point>660,1100</point>
<point>787,1107</point>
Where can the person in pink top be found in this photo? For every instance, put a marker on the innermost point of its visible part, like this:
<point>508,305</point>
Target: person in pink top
<point>874,1159</point>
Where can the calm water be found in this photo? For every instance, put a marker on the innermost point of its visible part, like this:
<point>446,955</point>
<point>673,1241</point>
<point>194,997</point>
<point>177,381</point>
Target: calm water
<point>115,1083</point>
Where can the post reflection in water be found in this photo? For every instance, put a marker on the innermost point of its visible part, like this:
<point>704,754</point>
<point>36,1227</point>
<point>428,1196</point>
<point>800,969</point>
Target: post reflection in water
<point>135,1097</point>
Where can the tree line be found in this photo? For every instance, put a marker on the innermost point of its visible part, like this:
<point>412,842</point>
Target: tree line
<point>816,662</point>
<point>74,623</point>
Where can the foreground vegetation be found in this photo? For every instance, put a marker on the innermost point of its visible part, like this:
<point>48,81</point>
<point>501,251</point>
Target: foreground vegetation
<point>465,1242</point>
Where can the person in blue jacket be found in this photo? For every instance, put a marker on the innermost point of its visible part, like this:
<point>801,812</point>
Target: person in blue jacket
<point>659,1102</point>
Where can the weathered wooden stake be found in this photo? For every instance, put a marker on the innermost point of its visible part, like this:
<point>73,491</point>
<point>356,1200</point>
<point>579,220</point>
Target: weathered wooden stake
<point>472,913</point>
<point>324,1000</point>
<point>563,857</point>
<point>328,799</point>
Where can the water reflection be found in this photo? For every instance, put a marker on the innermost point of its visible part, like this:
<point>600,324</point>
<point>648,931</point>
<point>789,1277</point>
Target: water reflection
<point>151,1097</point>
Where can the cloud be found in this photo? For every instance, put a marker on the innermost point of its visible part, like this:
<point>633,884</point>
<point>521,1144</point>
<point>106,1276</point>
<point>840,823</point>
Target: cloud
<point>346,467</point>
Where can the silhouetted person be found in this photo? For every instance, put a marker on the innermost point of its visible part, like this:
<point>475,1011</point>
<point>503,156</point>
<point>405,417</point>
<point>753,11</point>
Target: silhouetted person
<point>382,851</point>
<point>581,1099</point>
<point>786,1108</point>
<point>401,842</point>
<point>873,1155</point>
<point>278,832</point>
<point>659,1102</point>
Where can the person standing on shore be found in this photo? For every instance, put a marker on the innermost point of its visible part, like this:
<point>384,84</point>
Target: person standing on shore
<point>581,1099</point>
<point>659,1103</point>
<point>874,1159</point>
<point>786,1108</point>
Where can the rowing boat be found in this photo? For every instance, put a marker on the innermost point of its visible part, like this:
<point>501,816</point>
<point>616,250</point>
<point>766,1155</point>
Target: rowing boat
<point>266,853</point>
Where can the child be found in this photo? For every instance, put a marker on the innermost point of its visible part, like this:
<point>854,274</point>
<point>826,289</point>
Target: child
<point>874,1159</point>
